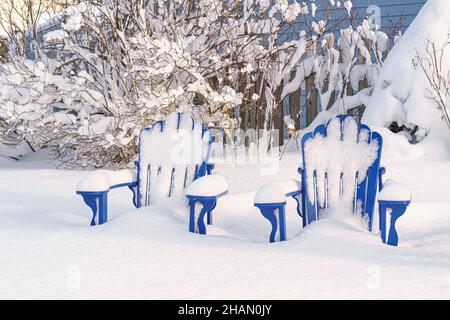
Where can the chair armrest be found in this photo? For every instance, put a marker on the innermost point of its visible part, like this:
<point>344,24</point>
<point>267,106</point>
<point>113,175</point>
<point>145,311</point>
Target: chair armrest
<point>95,186</point>
<point>394,192</point>
<point>211,186</point>
<point>104,180</point>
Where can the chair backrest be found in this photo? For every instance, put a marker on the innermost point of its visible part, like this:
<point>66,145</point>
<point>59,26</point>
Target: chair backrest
<point>172,154</point>
<point>341,161</point>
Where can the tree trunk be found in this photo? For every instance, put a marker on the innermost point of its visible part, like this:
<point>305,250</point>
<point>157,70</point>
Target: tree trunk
<point>278,115</point>
<point>312,99</point>
<point>295,108</point>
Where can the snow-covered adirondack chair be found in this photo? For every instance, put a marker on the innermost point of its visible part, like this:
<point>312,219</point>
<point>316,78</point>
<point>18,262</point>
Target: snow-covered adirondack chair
<point>341,167</point>
<point>172,154</point>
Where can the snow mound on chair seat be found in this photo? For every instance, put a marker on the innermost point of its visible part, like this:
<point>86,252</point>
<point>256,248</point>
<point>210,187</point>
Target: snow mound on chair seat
<point>394,191</point>
<point>271,192</point>
<point>208,186</point>
<point>102,180</point>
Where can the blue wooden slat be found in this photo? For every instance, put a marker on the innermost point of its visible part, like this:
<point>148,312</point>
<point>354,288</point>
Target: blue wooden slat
<point>361,190</point>
<point>372,180</point>
<point>182,117</point>
<point>309,209</point>
<point>320,130</point>
<point>365,127</point>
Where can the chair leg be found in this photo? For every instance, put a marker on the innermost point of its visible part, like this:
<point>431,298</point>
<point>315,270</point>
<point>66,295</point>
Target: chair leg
<point>192,215</point>
<point>91,201</point>
<point>391,237</point>
<point>382,210</point>
<point>397,212</point>
<point>103,208</point>
<point>299,211</point>
<point>304,209</point>
<point>282,221</point>
<point>134,189</point>
<point>98,202</point>
<point>208,206</point>
<point>269,214</point>
<point>209,218</point>
<point>198,225</point>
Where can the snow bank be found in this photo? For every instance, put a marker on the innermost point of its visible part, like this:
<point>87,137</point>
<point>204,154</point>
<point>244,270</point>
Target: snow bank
<point>14,150</point>
<point>208,186</point>
<point>145,253</point>
<point>400,93</point>
<point>102,180</point>
<point>397,149</point>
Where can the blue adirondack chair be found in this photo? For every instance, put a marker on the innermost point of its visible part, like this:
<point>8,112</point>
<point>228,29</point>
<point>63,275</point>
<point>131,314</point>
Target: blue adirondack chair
<point>365,191</point>
<point>366,183</point>
<point>172,154</point>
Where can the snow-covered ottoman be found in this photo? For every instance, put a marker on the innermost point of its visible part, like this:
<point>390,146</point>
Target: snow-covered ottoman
<point>205,190</point>
<point>393,199</point>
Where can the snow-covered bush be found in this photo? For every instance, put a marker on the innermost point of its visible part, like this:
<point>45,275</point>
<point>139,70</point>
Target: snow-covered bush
<point>110,68</point>
<point>340,65</point>
<point>403,95</point>
<point>113,67</point>
<point>438,78</point>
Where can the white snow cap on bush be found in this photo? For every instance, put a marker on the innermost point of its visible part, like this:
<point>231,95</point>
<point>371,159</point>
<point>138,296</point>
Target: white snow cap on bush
<point>401,91</point>
<point>394,191</point>
<point>208,186</point>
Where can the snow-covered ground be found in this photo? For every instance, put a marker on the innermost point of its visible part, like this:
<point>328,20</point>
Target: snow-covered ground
<point>48,249</point>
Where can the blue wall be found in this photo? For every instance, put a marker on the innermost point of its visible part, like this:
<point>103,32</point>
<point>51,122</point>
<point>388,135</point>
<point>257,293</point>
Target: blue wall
<point>391,10</point>
<point>394,9</point>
